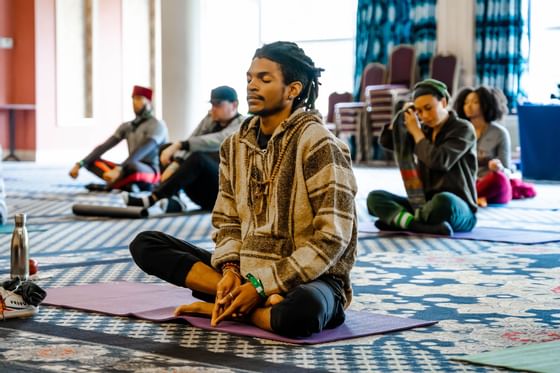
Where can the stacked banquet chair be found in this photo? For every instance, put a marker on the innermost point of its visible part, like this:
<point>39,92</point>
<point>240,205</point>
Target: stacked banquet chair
<point>445,68</point>
<point>381,100</point>
<point>335,98</point>
<point>349,117</point>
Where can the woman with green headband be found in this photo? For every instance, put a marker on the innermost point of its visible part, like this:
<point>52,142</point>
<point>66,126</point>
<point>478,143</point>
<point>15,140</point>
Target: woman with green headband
<point>436,152</point>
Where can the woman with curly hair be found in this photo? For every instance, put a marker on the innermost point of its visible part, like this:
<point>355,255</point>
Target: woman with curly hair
<point>483,107</point>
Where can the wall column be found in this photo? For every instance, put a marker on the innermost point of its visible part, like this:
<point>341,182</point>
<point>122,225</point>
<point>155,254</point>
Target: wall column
<point>455,34</point>
<point>180,21</point>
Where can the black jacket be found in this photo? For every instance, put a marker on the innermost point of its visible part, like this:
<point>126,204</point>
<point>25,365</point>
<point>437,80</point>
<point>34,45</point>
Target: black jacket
<point>449,163</point>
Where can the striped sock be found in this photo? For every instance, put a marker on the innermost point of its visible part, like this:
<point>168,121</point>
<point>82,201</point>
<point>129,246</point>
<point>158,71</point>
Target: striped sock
<point>403,219</point>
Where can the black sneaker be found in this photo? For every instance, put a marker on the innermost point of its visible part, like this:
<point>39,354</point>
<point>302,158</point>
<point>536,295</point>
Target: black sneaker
<point>441,229</point>
<point>94,187</point>
<point>382,226</point>
<point>173,204</point>
<point>129,200</point>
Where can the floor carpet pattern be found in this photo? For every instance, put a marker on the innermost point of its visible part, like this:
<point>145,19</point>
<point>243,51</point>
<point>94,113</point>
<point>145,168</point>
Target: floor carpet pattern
<point>487,296</point>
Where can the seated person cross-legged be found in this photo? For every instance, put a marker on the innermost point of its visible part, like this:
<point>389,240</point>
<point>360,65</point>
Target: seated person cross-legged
<point>436,153</point>
<point>144,135</point>
<point>192,165</point>
<point>483,106</point>
<point>285,235</point>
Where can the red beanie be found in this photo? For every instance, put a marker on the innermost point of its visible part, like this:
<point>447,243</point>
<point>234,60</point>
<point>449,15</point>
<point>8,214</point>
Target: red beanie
<point>142,91</point>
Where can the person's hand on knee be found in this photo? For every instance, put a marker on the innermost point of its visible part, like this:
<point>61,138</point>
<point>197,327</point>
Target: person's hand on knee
<point>112,175</point>
<point>74,171</point>
<point>167,153</point>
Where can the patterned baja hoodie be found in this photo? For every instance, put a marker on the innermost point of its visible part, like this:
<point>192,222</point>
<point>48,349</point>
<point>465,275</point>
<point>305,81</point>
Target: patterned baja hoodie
<point>287,212</point>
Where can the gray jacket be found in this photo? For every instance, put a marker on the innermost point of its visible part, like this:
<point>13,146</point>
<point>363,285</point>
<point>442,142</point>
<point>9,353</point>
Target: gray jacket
<point>206,139</point>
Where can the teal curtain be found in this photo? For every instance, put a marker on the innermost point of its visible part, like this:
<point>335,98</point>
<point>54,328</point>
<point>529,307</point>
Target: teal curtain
<point>382,24</point>
<point>501,30</point>
<point>423,15</point>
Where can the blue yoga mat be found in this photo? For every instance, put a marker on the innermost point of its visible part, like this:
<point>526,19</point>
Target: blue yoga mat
<point>9,228</point>
<point>478,233</point>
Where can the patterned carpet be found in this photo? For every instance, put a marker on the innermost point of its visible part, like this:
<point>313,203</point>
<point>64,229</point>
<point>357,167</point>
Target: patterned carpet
<point>486,295</point>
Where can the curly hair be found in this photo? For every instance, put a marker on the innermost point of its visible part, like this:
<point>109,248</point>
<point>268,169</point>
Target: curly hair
<point>492,101</point>
<point>295,66</point>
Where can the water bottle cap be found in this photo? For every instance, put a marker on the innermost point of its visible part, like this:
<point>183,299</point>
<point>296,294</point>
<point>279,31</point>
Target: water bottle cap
<point>20,218</point>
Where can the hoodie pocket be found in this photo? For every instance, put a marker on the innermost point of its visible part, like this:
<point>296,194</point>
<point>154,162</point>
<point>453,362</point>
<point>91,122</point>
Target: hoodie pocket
<point>267,247</point>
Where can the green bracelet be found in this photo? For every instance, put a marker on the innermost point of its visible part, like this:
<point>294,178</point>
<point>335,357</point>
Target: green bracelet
<point>257,284</point>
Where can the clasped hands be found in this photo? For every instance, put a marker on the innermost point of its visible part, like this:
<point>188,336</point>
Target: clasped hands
<point>233,299</point>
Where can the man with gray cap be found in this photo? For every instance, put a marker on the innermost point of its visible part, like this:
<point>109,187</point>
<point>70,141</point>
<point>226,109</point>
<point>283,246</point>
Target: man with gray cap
<point>192,165</point>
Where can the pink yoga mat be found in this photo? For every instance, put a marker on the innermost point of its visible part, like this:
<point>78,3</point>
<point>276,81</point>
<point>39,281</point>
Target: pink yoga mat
<point>478,233</point>
<point>156,302</point>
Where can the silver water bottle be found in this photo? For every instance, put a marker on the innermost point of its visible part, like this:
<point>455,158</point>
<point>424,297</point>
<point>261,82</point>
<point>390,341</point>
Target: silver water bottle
<point>20,249</point>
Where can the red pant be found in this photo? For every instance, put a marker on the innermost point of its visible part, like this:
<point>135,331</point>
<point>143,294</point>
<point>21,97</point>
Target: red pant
<point>495,187</point>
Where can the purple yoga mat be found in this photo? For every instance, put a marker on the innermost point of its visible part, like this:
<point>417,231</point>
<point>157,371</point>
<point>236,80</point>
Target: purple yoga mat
<point>156,302</point>
<point>520,236</point>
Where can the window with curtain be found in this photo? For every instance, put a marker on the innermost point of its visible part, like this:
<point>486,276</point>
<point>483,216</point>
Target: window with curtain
<point>136,52</point>
<point>543,75</point>
<point>325,29</point>
<point>74,52</point>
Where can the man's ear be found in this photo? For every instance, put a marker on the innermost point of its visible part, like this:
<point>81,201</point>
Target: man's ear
<point>294,88</point>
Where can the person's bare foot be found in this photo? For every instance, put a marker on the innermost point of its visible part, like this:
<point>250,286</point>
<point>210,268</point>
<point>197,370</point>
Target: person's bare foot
<point>196,308</point>
<point>273,299</point>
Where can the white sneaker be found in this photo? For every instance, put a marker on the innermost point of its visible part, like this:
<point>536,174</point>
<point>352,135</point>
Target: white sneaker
<point>12,305</point>
<point>173,204</point>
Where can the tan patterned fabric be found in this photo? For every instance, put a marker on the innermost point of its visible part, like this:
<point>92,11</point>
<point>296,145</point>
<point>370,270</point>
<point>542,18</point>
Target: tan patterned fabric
<point>287,213</point>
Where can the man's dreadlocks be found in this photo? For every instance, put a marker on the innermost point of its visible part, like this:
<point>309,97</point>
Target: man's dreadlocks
<point>295,66</point>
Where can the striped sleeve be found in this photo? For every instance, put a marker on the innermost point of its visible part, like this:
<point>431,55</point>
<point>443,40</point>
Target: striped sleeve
<point>225,217</point>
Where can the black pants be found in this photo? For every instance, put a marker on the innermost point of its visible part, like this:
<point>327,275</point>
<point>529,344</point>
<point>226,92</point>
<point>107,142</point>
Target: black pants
<point>198,176</point>
<point>306,309</point>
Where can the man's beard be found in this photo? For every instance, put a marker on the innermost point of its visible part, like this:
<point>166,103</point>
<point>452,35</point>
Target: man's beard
<point>141,111</point>
<point>266,112</point>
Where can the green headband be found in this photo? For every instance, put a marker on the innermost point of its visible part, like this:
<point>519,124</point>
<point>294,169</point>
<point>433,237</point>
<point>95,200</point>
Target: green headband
<point>430,86</point>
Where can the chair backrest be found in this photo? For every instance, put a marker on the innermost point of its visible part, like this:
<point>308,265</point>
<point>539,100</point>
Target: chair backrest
<point>349,119</point>
<point>381,102</point>
<point>445,68</point>
<point>335,98</point>
<point>374,73</point>
<point>402,65</point>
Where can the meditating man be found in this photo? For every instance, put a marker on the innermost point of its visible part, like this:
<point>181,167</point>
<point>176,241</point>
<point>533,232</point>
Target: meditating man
<point>144,135</point>
<point>285,214</point>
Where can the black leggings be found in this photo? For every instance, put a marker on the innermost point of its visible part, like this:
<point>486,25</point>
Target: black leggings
<point>306,309</point>
<point>198,176</point>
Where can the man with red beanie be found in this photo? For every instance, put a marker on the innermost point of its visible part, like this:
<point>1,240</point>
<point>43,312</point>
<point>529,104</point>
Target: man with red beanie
<point>144,134</point>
